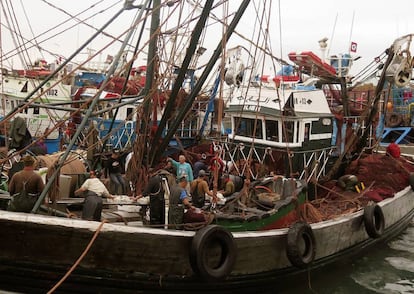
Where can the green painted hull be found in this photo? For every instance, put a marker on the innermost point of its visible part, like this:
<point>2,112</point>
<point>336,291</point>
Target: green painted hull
<point>276,219</point>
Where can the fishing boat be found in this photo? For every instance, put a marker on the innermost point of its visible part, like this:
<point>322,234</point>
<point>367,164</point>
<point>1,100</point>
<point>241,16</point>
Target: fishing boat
<point>129,257</point>
<point>228,254</point>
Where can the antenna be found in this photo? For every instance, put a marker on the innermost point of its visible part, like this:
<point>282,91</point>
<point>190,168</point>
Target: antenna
<point>350,33</point>
<point>333,31</point>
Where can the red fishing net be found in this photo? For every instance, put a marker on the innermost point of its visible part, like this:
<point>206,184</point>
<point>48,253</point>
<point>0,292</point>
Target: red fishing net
<point>380,176</point>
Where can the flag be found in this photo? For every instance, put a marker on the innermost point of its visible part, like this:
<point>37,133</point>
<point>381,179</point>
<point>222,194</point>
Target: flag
<point>353,47</point>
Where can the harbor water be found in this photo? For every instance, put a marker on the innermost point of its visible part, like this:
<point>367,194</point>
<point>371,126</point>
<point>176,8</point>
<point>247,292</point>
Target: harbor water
<point>387,268</point>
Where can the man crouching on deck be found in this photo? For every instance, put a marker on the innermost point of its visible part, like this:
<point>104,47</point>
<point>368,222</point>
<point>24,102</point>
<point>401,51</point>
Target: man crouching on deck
<point>178,201</point>
<point>95,189</point>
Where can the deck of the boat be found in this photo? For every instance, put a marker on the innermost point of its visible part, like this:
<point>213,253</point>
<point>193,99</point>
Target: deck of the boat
<point>112,212</point>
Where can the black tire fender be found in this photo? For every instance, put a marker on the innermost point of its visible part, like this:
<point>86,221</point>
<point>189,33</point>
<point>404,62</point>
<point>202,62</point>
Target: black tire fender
<point>301,245</point>
<point>201,246</point>
<point>374,221</point>
<point>411,180</point>
<point>393,120</point>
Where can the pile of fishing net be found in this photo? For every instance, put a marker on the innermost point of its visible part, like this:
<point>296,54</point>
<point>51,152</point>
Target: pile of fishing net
<point>380,177</point>
<point>337,202</point>
<point>385,175</point>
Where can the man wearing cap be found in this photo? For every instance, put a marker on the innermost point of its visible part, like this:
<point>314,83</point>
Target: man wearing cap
<point>26,179</point>
<point>95,190</point>
<point>177,202</point>
<point>199,189</point>
<point>114,170</point>
<point>229,187</point>
<point>200,164</point>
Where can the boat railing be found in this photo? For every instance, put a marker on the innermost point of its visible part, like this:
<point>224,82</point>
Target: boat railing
<point>242,159</point>
<point>126,135</point>
<point>316,164</point>
<point>121,136</point>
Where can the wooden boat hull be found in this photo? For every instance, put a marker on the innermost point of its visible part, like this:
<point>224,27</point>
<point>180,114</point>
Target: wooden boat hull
<point>139,258</point>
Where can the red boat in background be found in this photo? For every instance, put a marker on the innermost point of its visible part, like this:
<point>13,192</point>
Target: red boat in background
<point>309,62</point>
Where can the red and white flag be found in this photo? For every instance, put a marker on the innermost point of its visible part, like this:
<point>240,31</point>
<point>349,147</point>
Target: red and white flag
<point>353,47</point>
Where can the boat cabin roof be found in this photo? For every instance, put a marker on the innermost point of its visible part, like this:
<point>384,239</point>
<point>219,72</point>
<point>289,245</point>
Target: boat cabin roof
<point>294,102</point>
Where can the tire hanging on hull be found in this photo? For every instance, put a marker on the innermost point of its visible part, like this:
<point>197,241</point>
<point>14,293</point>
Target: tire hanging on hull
<point>206,240</point>
<point>411,180</point>
<point>374,221</point>
<point>301,245</point>
<point>393,120</point>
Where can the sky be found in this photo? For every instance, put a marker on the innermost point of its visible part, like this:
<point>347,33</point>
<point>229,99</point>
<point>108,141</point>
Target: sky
<point>295,25</point>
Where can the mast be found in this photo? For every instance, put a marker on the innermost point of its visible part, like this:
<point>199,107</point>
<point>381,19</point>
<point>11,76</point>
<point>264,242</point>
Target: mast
<point>140,149</point>
<point>190,99</point>
<point>374,109</point>
<point>147,4</point>
<point>181,75</point>
<point>359,140</point>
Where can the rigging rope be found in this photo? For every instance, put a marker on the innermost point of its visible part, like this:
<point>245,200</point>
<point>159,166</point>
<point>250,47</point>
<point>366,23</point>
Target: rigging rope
<point>11,23</point>
<point>31,29</point>
<point>18,49</point>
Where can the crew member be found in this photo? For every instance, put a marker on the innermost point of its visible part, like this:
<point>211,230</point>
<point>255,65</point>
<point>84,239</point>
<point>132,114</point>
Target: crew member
<point>229,187</point>
<point>155,191</point>
<point>114,169</point>
<point>26,179</point>
<point>94,190</point>
<point>178,201</point>
<point>199,189</point>
<point>200,164</point>
<point>183,168</point>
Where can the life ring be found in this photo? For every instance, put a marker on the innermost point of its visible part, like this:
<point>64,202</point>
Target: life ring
<point>204,242</point>
<point>374,221</point>
<point>301,245</point>
<point>393,120</point>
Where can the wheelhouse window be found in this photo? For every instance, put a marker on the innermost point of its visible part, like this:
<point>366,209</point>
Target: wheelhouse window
<point>36,110</point>
<point>307,132</point>
<point>272,130</point>
<point>249,127</point>
<point>129,113</point>
<point>289,131</point>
